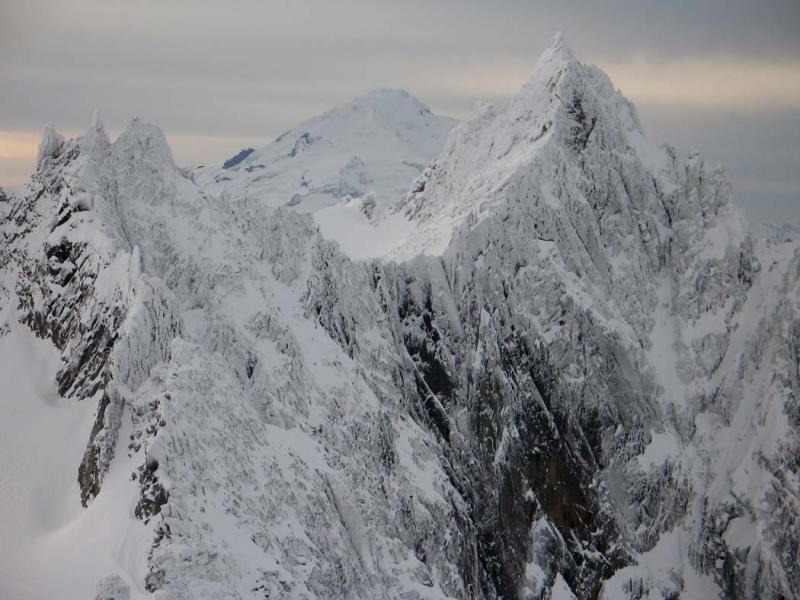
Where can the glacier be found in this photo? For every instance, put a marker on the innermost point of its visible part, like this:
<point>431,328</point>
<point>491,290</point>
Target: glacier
<point>531,355</point>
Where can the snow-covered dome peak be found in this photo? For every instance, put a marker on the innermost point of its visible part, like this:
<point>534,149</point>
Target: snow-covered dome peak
<point>377,143</point>
<point>382,96</point>
<point>388,108</point>
<point>389,102</point>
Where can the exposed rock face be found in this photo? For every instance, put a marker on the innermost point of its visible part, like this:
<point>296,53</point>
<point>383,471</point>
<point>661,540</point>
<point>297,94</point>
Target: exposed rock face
<point>79,278</point>
<point>573,379</point>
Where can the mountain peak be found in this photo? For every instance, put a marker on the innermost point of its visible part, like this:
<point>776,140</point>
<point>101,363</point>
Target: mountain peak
<point>376,143</point>
<point>97,123</point>
<point>557,53</point>
<point>554,64</point>
<point>559,46</point>
<point>145,141</point>
<point>142,163</point>
<point>566,108</point>
<point>561,88</point>
<point>95,141</point>
<point>49,145</point>
<point>362,426</point>
<point>379,95</point>
<point>388,102</point>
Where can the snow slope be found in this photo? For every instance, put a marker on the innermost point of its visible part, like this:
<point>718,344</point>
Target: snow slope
<point>570,373</point>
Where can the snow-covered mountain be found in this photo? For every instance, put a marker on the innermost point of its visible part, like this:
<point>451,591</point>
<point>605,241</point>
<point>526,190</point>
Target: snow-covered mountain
<point>375,144</point>
<point>566,371</point>
<point>352,163</point>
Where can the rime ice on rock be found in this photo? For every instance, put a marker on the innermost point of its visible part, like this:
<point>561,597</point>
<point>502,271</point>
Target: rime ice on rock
<point>112,587</point>
<point>571,379</point>
<point>50,144</point>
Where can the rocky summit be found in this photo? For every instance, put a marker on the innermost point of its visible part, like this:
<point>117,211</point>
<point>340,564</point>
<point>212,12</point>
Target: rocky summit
<point>526,356</point>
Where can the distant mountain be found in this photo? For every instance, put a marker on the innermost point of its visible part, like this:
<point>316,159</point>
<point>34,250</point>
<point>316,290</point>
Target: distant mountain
<point>551,363</point>
<point>375,144</point>
<point>348,166</point>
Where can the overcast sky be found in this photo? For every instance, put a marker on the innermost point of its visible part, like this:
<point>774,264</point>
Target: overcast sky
<point>722,76</point>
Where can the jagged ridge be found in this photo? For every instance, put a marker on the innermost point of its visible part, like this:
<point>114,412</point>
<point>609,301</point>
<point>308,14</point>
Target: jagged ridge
<point>579,376</point>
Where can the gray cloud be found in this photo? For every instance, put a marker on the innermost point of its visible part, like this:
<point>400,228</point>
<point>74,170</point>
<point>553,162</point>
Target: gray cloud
<point>219,75</point>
